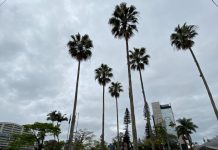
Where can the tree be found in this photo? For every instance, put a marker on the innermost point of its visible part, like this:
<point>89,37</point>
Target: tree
<point>115,90</point>
<point>182,40</point>
<point>123,22</point>
<point>79,49</point>
<point>21,140</point>
<point>185,128</point>
<point>57,117</point>
<point>103,75</point>
<point>83,139</point>
<point>138,60</point>
<point>119,141</point>
<point>40,131</point>
<point>126,137</point>
<point>53,145</point>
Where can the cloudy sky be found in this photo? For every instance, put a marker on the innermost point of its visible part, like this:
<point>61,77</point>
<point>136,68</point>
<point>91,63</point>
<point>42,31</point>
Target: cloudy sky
<point>37,75</point>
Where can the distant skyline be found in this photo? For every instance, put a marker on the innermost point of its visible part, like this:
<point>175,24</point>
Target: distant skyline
<point>37,74</point>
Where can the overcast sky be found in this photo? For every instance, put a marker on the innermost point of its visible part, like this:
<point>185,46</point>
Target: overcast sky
<point>37,74</point>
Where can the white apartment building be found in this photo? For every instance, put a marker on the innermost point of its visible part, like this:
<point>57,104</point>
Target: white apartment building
<point>6,131</point>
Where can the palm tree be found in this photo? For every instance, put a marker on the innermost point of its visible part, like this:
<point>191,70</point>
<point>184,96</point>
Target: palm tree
<point>60,118</point>
<point>138,60</point>
<point>52,116</point>
<point>185,128</point>
<point>115,90</point>
<point>79,49</point>
<point>182,40</point>
<point>123,22</point>
<point>103,75</point>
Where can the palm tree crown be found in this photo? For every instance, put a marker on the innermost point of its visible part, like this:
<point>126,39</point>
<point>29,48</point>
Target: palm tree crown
<point>123,21</point>
<point>182,37</point>
<point>138,59</point>
<point>115,89</point>
<point>185,127</point>
<point>80,47</point>
<point>103,74</point>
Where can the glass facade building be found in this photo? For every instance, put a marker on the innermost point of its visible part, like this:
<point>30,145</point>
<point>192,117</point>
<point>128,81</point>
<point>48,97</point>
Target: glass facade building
<point>163,114</point>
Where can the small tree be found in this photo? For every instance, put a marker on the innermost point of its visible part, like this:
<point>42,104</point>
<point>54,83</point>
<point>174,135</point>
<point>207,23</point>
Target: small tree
<point>40,131</point>
<point>126,137</point>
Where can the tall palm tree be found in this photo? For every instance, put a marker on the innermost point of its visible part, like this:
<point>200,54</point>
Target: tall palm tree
<point>79,49</point>
<point>103,75</point>
<point>182,40</point>
<point>115,90</point>
<point>123,22</point>
<point>185,128</point>
<point>138,60</point>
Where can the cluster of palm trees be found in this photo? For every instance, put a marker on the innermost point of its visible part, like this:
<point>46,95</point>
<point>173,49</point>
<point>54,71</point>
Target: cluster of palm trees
<point>124,23</point>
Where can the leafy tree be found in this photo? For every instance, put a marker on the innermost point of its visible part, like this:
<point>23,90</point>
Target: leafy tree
<point>182,40</point>
<point>79,49</point>
<point>115,90</point>
<point>83,139</point>
<point>40,131</point>
<point>123,22</point>
<point>53,145</point>
<point>119,141</point>
<point>103,75</point>
<point>126,138</point>
<point>98,146</point>
<point>185,128</point>
<point>161,134</point>
<point>21,140</point>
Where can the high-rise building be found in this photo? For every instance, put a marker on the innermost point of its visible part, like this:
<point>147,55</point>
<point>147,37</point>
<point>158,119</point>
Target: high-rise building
<point>163,114</point>
<point>6,131</point>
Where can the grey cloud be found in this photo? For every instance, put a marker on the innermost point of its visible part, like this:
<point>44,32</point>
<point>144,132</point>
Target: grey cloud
<point>37,74</point>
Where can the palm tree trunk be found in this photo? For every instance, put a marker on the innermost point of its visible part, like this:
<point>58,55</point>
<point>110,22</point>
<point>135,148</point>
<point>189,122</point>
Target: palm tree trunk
<point>134,131</point>
<point>118,132</point>
<point>205,83</point>
<point>102,138</point>
<point>74,110</point>
<point>147,110</point>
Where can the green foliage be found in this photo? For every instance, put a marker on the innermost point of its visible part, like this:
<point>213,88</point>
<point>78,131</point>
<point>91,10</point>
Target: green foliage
<point>127,120</point>
<point>21,140</point>
<point>115,140</point>
<point>182,37</point>
<point>41,130</point>
<point>185,127</point>
<point>97,146</point>
<point>138,58</point>
<point>53,145</point>
<point>126,137</point>
<point>115,89</point>
<point>123,21</point>
<point>83,139</point>
<point>80,47</point>
<point>161,133</point>
<point>57,117</point>
<point>103,74</point>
